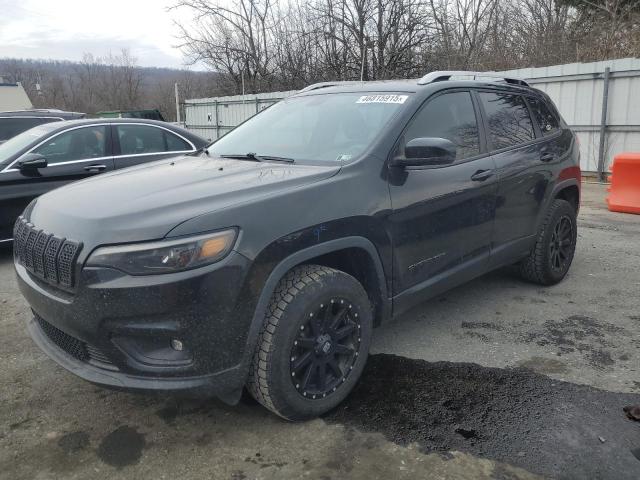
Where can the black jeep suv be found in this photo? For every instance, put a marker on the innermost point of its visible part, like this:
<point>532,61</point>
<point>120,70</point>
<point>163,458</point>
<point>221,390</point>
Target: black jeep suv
<point>267,259</point>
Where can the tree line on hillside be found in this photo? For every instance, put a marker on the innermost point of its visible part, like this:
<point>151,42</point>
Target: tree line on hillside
<point>281,45</point>
<point>114,82</point>
<point>268,45</point>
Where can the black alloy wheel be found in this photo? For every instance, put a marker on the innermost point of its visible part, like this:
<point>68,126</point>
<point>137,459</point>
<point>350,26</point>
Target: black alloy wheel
<point>314,342</point>
<point>552,254</point>
<point>324,352</point>
<point>561,244</point>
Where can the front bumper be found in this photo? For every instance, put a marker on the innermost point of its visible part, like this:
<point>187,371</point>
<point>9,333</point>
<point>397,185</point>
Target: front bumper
<point>116,330</point>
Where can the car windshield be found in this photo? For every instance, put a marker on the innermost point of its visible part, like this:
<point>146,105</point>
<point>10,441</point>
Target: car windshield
<point>327,127</point>
<point>24,139</point>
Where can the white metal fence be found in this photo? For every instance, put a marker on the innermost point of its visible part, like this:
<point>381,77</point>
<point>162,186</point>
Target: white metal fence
<point>213,117</point>
<point>576,88</point>
<point>606,125</point>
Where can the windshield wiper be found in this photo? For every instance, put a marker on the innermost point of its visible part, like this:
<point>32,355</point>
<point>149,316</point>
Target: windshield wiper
<point>258,158</point>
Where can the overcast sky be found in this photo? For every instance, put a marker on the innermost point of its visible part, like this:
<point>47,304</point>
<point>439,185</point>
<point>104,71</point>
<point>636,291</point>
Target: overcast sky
<point>65,29</point>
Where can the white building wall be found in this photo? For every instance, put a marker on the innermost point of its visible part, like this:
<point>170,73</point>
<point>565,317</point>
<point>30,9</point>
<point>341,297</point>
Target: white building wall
<point>13,97</point>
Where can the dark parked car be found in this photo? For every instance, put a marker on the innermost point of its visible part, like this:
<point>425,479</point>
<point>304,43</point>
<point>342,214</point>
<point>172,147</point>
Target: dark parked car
<point>267,259</point>
<point>51,155</point>
<point>16,122</point>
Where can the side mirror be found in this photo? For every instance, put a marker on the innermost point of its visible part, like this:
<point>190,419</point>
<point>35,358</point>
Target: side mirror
<point>32,161</point>
<point>427,151</point>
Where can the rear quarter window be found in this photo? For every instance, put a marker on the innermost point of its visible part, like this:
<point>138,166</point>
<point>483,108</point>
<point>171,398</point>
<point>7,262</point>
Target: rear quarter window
<point>175,143</point>
<point>544,116</point>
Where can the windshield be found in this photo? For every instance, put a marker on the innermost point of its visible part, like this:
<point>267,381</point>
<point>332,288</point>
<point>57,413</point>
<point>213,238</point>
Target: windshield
<point>17,143</point>
<point>12,126</point>
<point>329,127</point>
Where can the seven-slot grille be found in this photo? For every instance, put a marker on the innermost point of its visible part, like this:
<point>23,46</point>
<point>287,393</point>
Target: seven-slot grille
<point>48,257</point>
<point>76,348</point>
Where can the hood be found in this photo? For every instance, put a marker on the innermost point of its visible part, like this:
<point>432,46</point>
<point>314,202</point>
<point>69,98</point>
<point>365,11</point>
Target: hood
<point>145,202</point>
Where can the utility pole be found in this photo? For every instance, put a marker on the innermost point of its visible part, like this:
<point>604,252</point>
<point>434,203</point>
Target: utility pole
<point>177,104</point>
<point>602,176</point>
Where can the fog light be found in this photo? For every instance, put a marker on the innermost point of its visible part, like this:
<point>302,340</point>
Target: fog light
<point>176,344</point>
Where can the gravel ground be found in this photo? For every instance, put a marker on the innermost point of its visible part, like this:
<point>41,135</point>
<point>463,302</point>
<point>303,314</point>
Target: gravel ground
<point>495,379</point>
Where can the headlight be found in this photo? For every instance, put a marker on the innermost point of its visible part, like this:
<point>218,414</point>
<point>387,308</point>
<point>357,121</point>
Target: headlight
<point>165,256</point>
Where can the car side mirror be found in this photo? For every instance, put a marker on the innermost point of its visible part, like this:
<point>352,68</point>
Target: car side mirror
<point>32,161</point>
<point>426,151</point>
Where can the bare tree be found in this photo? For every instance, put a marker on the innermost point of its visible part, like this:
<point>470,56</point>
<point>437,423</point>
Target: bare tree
<point>235,38</point>
<point>120,81</point>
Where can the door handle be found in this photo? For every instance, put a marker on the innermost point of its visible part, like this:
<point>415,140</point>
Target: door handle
<point>481,175</point>
<point>95,168</point>
<point>547,157</point>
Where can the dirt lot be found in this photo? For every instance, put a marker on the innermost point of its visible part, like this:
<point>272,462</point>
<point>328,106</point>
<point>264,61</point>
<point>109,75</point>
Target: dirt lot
<point>496,379</point>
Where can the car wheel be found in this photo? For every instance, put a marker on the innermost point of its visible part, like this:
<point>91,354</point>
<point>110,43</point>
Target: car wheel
<point>313,344</point>
<point>555,246</point>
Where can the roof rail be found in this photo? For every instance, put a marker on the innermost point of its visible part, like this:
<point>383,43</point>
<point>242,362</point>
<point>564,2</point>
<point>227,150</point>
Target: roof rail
<point>317,86</point>
<point>439,76</point>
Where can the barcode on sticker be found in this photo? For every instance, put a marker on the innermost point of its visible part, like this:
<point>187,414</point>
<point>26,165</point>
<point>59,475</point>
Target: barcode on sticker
<point>382,99</point>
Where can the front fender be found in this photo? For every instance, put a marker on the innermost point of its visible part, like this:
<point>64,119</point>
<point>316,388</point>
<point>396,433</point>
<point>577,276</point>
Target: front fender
<point>266,273</point>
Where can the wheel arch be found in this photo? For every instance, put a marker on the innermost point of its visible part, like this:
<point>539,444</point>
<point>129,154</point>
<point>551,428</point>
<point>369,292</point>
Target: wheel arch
<point>567,189</point>
<point>569,192</point>
<point>331,253</point>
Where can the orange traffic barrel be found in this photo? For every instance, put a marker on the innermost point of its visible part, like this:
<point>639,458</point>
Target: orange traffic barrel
<point>624,191</point>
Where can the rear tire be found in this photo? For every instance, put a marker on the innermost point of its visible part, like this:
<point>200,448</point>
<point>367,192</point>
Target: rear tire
<point>551,257</point>
<point>314,343</point>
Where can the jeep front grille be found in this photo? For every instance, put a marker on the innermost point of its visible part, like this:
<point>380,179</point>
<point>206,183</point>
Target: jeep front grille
<point>46,256</point>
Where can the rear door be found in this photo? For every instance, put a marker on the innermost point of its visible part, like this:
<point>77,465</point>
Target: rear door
<point>523,157</point>
<point>141,143</point>
<point>72,155</point>
<point>442,218</point>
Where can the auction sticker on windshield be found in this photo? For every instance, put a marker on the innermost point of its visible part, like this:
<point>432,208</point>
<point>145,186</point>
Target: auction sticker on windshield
<point>382,99</point>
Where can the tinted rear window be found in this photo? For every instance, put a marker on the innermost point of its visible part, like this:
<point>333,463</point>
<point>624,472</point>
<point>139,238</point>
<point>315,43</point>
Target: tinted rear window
<point>509,120</point>
<point>12,126</point>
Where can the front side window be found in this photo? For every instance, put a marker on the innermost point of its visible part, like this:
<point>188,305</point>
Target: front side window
<point>78,144</point>
<point>508,117</point>
<point>450,116</point>
<point>547,121</point>
<point>323,127</point>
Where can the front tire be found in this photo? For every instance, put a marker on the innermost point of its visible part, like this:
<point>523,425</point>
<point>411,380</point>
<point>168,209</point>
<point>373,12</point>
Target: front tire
<point>551,257</point>
<point>314,343</point>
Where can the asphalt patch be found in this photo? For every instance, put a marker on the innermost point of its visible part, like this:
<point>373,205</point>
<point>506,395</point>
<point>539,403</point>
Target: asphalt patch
<point>515,416</point>
<point>591,337</point>
<point>122,447</point>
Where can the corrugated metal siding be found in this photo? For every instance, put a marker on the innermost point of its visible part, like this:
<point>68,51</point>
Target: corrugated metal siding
<point>576,89</point>
<point>213,117</point>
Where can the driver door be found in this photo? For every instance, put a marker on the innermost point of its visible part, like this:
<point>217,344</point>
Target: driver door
<point>442,219</point>
<point>71,155</point>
